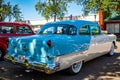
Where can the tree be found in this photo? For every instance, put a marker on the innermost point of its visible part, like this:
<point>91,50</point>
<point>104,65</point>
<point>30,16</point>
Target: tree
<point>109,7</point>
<point>17,13</point>
<point>9,11</point>
<point>53,8</point>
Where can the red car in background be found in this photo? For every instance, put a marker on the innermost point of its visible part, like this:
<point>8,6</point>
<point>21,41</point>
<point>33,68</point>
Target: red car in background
<point>12,29</point>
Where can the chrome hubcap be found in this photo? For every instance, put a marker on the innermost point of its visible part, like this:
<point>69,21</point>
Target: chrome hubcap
<point>112,50</point>
<point>76,67</point>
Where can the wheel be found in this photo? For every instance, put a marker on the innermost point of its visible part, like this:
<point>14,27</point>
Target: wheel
<point>75,68</point>
<point>111,52</point>
<point>1,55</point>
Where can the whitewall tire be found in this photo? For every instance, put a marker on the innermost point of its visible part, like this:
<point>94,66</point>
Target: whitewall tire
<point>111,52</point>
<point>75,68</point>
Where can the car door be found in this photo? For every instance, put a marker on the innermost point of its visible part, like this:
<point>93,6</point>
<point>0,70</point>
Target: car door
<point>99,40</point>
<point>79,39</point>
<point>6,31</point>
<point>87,41</point>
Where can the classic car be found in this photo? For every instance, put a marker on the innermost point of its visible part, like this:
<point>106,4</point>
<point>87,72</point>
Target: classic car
<point>12,29</point>
<point>61,45</point>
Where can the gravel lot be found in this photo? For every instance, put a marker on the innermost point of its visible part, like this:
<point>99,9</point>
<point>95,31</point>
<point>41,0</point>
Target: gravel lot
<point>102,68</point>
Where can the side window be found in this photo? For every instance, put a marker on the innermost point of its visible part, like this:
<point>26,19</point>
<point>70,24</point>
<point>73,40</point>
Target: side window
<point>85,30</point>
<point>23,30</point>
<point>6,29</point>
<point>72,30</point>
<point>61,29</point>
<point>95,30</point>
<point>49,30</point>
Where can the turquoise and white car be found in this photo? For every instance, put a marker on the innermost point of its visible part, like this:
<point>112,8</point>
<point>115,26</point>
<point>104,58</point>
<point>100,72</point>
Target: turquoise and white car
<point>61,45</point>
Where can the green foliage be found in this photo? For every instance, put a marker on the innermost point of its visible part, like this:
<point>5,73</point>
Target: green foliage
<point>111,8</point>
<point>17,13</point>
<point>53,8</point>
<point>9,11</point>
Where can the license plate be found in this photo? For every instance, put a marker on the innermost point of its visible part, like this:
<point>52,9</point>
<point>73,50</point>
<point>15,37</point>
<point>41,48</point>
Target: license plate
<point>21,58</point>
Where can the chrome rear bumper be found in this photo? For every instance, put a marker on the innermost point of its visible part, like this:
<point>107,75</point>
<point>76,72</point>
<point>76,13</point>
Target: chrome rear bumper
<point>42,67</point>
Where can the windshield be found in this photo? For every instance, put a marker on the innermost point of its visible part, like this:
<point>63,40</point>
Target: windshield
<point>58,29</point>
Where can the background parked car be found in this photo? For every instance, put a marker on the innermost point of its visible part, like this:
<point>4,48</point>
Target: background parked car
<point>10,29</point>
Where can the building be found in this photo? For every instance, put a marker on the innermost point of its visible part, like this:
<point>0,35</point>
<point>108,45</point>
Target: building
<point>36,24</point>
<point>113,26</point>
<point>91,17</point>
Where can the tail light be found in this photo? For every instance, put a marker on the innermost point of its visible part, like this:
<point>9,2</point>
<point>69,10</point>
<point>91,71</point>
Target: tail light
<point>49,43</point>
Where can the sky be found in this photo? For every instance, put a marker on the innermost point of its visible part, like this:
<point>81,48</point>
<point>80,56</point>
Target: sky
<point>29,13</point>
